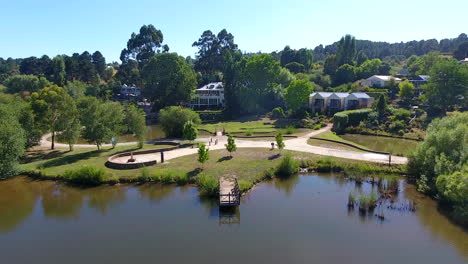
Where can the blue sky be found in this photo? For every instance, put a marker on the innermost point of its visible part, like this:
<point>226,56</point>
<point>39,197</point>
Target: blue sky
<point>33,27</point>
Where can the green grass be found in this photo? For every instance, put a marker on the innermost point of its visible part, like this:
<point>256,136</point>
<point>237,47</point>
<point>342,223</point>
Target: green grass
<point>56,162</point>
<point>328,144</point>
<point>250,166</point>
<point>332,136</point>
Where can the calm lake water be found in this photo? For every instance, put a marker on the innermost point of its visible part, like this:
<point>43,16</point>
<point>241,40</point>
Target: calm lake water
<point>388,144</point>
<point>301,220</point>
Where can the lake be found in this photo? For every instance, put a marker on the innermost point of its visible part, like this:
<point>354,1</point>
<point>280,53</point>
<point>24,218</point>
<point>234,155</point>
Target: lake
<point>300,220</point>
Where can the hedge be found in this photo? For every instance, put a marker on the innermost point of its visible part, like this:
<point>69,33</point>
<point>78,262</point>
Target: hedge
<point>342,120</point>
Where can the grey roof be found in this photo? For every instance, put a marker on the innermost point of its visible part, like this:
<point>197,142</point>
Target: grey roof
<point>361,95</point>
<point>213,86</point>
<point>342,95</point>
<point>323,94</point>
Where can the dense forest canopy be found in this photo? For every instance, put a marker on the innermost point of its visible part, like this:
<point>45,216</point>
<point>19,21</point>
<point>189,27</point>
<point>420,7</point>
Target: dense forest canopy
<point>377,49</point>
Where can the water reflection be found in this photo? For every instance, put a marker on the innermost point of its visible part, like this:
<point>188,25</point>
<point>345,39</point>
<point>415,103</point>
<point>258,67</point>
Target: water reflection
<point>61,203</point>
<point>306,216</point>
<point>155,192</point>
<point>229,215</point>
<point>286,184</point>
<point>17,200</point>
<point>104,197</point>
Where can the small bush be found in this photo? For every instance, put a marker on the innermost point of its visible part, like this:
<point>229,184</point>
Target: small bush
<point>278,112</point>
<point>85,176</point>
<point>287,167</point>
<point>249,132</point>
<point>208,185</point>
<point>290,130</point>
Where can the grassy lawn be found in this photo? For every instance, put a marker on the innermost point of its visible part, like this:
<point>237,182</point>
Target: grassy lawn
<point>326,144</point>
<point>56,162</point>
<point>253,125</point>
<point>247,164</point>
<point>332,136</point>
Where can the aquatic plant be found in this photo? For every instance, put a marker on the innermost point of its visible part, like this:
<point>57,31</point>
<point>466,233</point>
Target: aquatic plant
<point>287,167</point>
<point>208,185</point>
<point>363,203</point>
<point>351,199</point>
<point>372,200</point>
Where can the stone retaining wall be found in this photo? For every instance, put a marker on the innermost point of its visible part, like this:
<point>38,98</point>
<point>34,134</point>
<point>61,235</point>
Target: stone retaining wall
<point>135,165</point>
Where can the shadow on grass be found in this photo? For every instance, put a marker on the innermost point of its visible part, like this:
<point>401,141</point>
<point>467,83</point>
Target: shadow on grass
<point>194,172</point>
<point>224,159</point>
<point>42,155</point>
<point>273,157</point>
<point>72,158</point>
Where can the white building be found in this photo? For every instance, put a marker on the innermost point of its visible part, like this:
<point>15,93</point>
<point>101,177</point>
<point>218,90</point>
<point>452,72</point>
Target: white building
<point>327,102</point>
<point>129,91</point>
<point>209,96</point>
<point>378,81</point>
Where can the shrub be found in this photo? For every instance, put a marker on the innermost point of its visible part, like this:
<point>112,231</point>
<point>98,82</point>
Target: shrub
<point>396,126</point>
<point>208,185</point>
<point>244,185</point>
<point>340,122</point>
<point>442,152</point>
<point>173,118</point>
<point>278,112</point>
<point>287,167</point>
<point>290,130</point>
<point>86,175</point>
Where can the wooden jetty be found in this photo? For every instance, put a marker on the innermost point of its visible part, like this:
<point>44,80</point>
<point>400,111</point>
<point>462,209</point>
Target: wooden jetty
<point>229,194</point>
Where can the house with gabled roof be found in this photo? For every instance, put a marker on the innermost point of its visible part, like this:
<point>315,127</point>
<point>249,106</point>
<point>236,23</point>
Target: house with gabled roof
<point>379,81</point>
<point>328,102</point>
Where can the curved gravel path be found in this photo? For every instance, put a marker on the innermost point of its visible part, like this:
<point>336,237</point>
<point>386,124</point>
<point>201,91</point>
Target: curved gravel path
<point>297,144</point>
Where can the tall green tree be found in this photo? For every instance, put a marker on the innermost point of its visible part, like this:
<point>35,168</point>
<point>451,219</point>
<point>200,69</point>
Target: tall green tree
<point>25,83</point>
<point>101,121</point>
<point>346,51</point>
<point>233,82</point>
<point>381,106</point>
<point>447,87</point>
<point>76,89</point>
<point>190,131</point>
<point>50,106</point>
<point>211,51</point>
<point>173,119</point>
<point>443,151</point>
<point>361,57</point>
<point>168,79</point>
<point>297,94</point>
<point>406,91</point>
<point>135,120</point>
<point>142,46</point>
<point>259,89</point>
<point>58,71</point>
<point>330,66</point>
<point>462,51</point>
<point>99,63</point>
<point>12,141</point>
<point>344,74</point>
